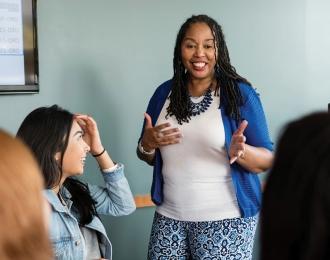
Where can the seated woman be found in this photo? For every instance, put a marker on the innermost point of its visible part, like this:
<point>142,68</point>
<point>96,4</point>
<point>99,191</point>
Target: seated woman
<point>23,233</point>
<point>61,142</point>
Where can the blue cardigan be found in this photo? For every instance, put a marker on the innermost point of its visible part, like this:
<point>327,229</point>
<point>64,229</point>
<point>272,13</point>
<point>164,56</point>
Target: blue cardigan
<point>246,184</point>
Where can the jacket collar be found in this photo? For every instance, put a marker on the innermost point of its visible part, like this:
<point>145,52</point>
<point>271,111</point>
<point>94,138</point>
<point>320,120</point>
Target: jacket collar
<point>55,202</point>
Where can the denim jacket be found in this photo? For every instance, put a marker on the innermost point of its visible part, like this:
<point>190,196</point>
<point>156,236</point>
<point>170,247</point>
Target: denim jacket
<point>115,199</point>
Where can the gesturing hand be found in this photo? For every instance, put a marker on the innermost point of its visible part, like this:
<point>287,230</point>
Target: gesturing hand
<point>237,145</point>
<point>160,135</point>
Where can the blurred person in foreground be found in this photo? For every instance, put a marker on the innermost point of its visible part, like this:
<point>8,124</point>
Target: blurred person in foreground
<point>23,209</point>
<point>295,215</point>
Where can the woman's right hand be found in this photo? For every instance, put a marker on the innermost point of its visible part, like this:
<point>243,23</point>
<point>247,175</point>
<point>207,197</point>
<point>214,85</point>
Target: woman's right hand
<point>160,135</point>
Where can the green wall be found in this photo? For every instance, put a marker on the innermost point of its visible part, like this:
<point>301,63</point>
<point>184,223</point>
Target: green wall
<point>105,58</point>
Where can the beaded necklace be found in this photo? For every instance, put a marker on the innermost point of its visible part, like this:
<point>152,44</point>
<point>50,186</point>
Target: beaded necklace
<point>201,106</point>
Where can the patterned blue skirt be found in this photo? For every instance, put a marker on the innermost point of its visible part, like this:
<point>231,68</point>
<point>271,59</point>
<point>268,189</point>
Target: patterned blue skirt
<point>228,239</point>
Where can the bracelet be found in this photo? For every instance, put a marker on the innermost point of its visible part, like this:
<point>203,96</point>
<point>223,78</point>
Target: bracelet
<point>99,154</point>
<point>144,151</point>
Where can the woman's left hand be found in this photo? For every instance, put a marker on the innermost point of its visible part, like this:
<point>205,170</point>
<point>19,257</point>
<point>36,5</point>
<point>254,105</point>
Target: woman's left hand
<point>237,145</point>
<point>91,133</point>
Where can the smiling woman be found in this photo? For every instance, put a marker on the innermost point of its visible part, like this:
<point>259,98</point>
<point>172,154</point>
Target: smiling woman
<point>61,142</point>
<point>205,155</point>
<point>76,152</point>
<point>199,53</point>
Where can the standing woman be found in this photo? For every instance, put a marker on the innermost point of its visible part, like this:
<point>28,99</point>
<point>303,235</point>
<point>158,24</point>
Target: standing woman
<point>61,142</point>
<point>206,135</point>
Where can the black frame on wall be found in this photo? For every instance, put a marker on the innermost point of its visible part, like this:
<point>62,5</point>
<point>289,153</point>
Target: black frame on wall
<point>30,50</point>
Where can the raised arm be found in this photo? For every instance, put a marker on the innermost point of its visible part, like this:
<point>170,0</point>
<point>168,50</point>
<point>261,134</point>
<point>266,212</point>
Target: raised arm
<point>116,198</point>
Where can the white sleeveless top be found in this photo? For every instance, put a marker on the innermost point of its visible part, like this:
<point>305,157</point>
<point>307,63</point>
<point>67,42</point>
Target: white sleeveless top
<point>197,181</point>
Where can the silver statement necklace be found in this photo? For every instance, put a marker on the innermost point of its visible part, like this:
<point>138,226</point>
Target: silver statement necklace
<point>201,106</point>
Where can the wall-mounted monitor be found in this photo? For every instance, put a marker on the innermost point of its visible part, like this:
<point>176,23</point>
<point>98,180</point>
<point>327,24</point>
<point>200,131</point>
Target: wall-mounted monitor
<point>18,47</point>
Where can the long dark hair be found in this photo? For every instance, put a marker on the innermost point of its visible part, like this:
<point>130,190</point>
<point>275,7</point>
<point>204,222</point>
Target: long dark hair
<point>46,131</point>
<point>295,215</point>
<point>226,75</point>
